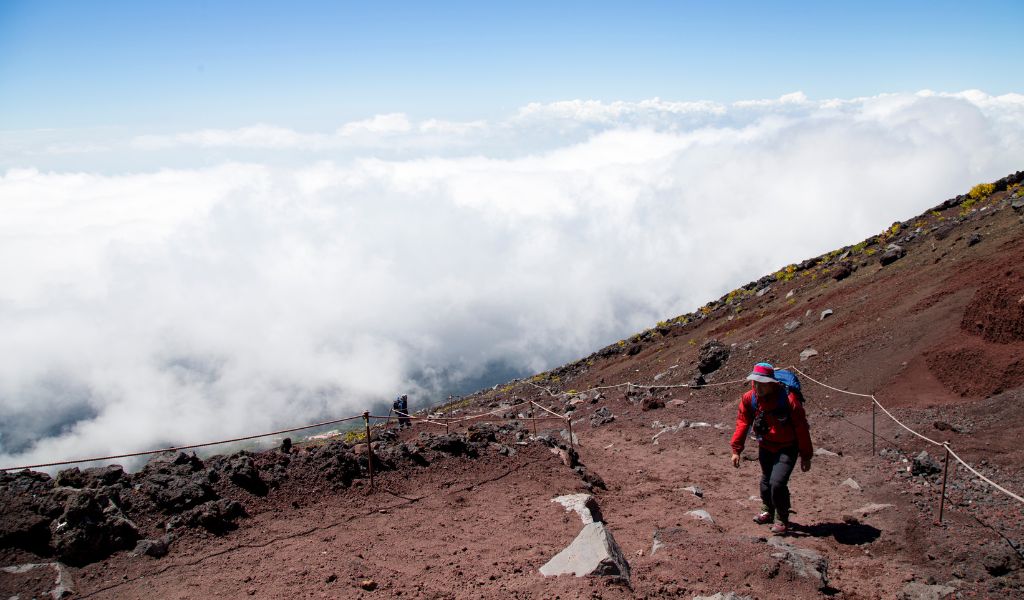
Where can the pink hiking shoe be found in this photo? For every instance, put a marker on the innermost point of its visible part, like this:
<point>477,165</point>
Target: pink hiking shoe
<point>779,529</point>
<point>764,518</point>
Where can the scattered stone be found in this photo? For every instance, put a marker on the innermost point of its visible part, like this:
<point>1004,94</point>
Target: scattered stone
<point>601,416</point>
<point>916,590</point>
<point>851,483</point>
<point>698,424</point>
<point>1001,561</point>
<point>869,509</point>
<point>825,314</point>
<point>842,271</point>
<point>702,515</point>
<point>696,491</point>
<point>711,356</point>
<point>792,325</point>
<point>808,353</point>
<point>892,253</point>
<point>944,426</point>
<point>286,446</point>
<point>805,562</point>
<point>824,452</point>
<point>156,548</point>
<point>924,464</point>
<point>723,596</point>
<point>593,553</point>
<point>790,294</point>
<point>368,585</point>
<point>651,402</point>
<point>763,291</point>
<point>974,239</point>
<point>1018,205</point>
<point>62,585</point>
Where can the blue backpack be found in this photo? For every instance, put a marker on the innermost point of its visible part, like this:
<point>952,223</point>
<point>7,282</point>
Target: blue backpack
<point>790,383</point>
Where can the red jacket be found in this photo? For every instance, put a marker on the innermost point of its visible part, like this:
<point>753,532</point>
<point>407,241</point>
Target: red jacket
<point>780,435</point>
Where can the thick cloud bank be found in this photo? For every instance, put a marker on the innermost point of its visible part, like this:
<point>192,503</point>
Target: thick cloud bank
<point>272,276</point>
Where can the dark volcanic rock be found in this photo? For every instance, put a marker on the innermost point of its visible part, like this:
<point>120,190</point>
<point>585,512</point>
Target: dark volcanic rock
<point>91,527</point>
<point>842,270</point>
<point>216,516</point>
<point>451,443</point>
<point>892,254</point>
<point>974,239</point>
<point>28,508</point>
<point>711,356</point>
<point>176,482</point>
<point>924,464</point>
<point>240,470</point>
<point>601,416</point>
<point>651,402</point>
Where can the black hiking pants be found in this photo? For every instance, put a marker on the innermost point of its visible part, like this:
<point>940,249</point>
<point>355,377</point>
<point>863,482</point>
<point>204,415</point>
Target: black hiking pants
<point>776,467</point>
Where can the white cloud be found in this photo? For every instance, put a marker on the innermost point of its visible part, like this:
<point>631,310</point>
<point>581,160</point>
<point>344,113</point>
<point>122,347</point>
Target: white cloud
<point>173,305</point>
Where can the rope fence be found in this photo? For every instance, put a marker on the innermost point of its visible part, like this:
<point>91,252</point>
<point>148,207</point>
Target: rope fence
<point>446,422</point>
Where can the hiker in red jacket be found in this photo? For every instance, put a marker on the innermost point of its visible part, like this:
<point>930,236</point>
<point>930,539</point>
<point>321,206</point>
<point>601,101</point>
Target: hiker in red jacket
<point>780,425</point>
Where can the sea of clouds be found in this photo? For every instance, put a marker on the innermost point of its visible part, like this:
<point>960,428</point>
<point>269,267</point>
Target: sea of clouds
<point>170,288</point>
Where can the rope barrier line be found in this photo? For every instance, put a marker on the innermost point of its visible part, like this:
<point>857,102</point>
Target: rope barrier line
<point>177,448</point>
<point>793,368</point>
<point>982,477</point>
<point>649,386</point>
<point>544,408</point>
<point>923,437</point>
<point>900,423</point>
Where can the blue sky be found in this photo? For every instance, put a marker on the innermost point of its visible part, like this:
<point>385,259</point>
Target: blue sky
<point>166,65</point>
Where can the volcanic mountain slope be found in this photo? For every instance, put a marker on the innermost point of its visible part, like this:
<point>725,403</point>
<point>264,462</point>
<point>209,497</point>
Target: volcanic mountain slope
<point>928,316</point>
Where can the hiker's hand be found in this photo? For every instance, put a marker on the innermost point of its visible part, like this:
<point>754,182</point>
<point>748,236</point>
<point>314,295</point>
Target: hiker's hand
<point>805,464</point>
<point>736,460</point>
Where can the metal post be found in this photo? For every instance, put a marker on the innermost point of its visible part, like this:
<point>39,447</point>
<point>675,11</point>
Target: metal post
<point>533,413</point>
<point>872,427</point>
<point>945,473</point>
<point>446,425</point>
<point>571,445</point>
<point>369,446</point>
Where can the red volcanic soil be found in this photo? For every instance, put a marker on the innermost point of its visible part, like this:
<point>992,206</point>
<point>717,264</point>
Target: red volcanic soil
<point>937,336</point>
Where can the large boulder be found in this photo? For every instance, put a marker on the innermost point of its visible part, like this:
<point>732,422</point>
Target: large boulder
<point>593,553</point>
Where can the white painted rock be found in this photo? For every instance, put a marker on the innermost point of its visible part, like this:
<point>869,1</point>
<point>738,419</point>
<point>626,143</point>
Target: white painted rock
<point>593,552</point>
<point>850,483</point>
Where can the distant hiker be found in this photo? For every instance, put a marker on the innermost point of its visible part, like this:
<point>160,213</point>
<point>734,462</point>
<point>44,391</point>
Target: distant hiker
<point>776,413</point>
<point>402,409</point>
